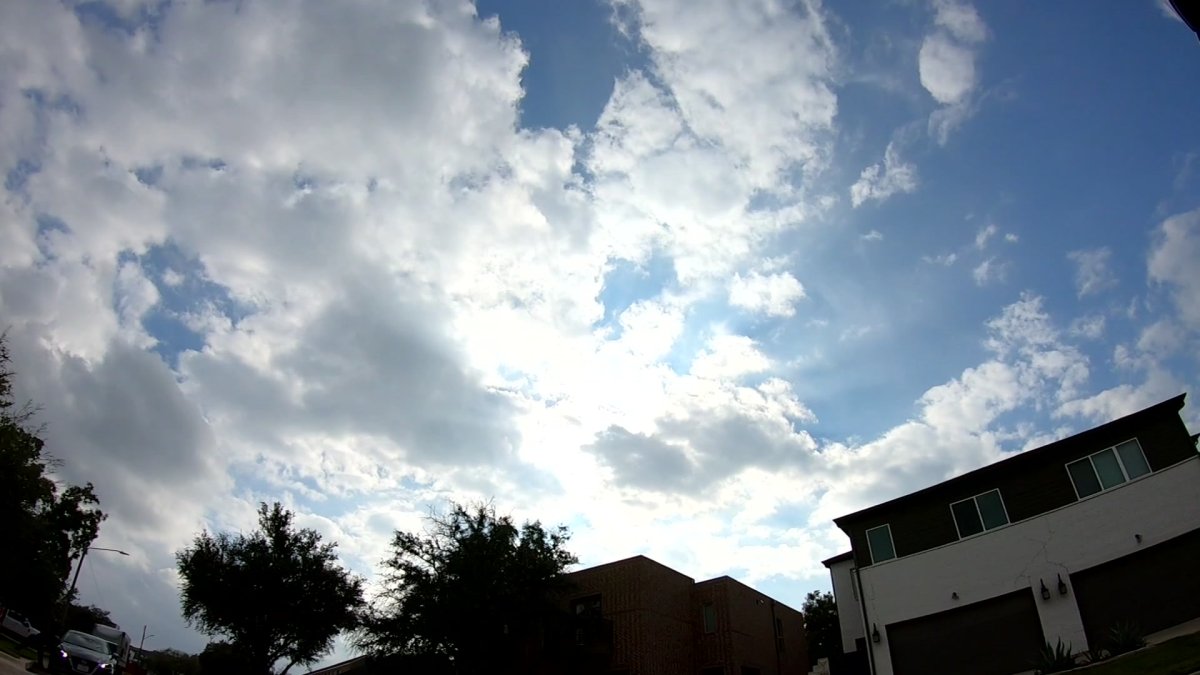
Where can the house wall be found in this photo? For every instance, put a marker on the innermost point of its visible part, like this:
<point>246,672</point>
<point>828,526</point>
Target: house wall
<point>649,606</point>
<point>848,608</point>
<point>1158,506</point>
<point>745,634</point>
<point>1030,483</point>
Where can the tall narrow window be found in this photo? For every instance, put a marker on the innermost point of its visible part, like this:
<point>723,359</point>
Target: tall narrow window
<point>1108,468</point>
<point>710,618</point>
<point>979,513</point>
<point>879,539</point>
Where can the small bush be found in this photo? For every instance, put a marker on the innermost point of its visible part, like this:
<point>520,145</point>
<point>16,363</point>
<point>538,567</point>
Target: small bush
<point>1054,659</point>
<point>1125,637</point>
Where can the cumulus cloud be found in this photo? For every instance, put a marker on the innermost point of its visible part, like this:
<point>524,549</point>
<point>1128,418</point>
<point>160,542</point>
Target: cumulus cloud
<point>880,181</point>
<point>957,426</point>
<point>947,67</point>
<point>1173,263</point>
<point>772,294</point>
<point>236,268</point>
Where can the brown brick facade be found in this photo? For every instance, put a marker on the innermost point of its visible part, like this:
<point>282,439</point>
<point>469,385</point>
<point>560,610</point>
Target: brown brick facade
<point>654,624</point>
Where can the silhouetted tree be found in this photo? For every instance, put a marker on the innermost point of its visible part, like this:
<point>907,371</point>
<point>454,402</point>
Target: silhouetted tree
<point>42,527</point>
<point>278,594</point>
<point>222,658</point>
<point>172,662</point>
<point>473,587</point>
<point>821,625</point>
<point>85,617</point>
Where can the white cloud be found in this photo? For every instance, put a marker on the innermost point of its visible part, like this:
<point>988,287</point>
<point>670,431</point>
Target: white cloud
<point>772,294</point>
<point>1173,263</point>
<point>729,357</point>
<point>990,271</point>
<point>172,278</point>
<point>772,105</point>
<point>984,234</point>
<point>947,67</point>
<point>1092,272</point>
<point>956,427</point>
<point>945,259</point>
<point>882,180</point>
<point>399,296</point>
<point>1090,327</point>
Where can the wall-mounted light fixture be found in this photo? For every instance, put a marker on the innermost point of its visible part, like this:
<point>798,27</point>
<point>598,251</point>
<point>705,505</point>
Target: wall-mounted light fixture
<point>1138,538</point>
<point>874,633</point>
<point>954,595</point>
<point>1045,591</point>
<point>1062,586</point>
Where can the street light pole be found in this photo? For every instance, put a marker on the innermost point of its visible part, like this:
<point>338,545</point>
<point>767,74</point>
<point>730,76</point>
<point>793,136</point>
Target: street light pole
<point>78,567</point>
<point>143,642</point>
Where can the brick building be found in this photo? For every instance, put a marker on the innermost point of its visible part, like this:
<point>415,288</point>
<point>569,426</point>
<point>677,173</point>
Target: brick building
<point>638,617</point>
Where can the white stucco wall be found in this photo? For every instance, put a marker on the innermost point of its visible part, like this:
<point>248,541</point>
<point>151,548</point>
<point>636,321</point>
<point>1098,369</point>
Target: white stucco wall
<point>1097,529</point>
<point>849,610</point>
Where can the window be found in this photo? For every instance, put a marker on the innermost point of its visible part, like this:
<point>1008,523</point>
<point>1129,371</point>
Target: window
<point>854,582</point>
<point>979,513</point>
<point>587,608</point>
<point>1108,468</point>
<point>710,618</point>
<point>879,539</point>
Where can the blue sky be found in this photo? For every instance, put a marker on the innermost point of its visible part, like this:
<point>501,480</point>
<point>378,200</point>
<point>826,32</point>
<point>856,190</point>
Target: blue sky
<point>690,277</point>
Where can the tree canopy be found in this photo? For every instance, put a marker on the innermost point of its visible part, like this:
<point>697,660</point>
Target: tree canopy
<point>278,594</point>
<point>821,625</point>
<point>42,526</point>
<point>473,587</point>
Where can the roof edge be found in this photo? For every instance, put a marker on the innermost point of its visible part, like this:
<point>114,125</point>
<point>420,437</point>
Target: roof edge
<point>1173,404</point>
<point>848,555</point>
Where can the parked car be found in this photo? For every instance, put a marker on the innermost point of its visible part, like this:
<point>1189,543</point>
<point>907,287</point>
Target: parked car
<point>82,653</point>
<point>19,625</point>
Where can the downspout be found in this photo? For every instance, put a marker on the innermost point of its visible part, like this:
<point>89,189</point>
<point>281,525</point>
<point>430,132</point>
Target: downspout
<point>862,605</point>
<point>778,636</point>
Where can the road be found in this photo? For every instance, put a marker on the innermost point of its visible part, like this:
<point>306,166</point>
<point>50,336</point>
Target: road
<point>10,665</point>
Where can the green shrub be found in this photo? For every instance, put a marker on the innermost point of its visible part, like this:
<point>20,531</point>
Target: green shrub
<point>1125,636</point>
<point>1054,659</point>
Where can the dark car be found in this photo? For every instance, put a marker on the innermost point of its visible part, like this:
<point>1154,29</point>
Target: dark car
<point>82,653</point>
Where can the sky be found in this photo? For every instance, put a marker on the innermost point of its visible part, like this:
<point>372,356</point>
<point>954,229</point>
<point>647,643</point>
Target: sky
<point>689,277</point>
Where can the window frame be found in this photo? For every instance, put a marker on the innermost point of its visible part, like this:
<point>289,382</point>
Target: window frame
<point>891,539</point>
<point>1120,463</point>
<point>974,499</point>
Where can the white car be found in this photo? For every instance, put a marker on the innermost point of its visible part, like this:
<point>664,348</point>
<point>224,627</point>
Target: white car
<point>18,625</point>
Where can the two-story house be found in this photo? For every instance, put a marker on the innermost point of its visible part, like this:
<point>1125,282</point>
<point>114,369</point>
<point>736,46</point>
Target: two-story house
<point>1065,541</point>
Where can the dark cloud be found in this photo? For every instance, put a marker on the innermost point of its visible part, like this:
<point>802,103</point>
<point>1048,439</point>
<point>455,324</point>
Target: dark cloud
<point>376,361</point>
<point>643,461</point>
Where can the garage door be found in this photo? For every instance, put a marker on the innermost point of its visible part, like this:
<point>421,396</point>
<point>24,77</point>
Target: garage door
<point>1155,588</point>
<point>993,637</point>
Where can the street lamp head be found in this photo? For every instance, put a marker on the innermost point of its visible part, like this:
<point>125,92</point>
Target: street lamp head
<point>101,548</point>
